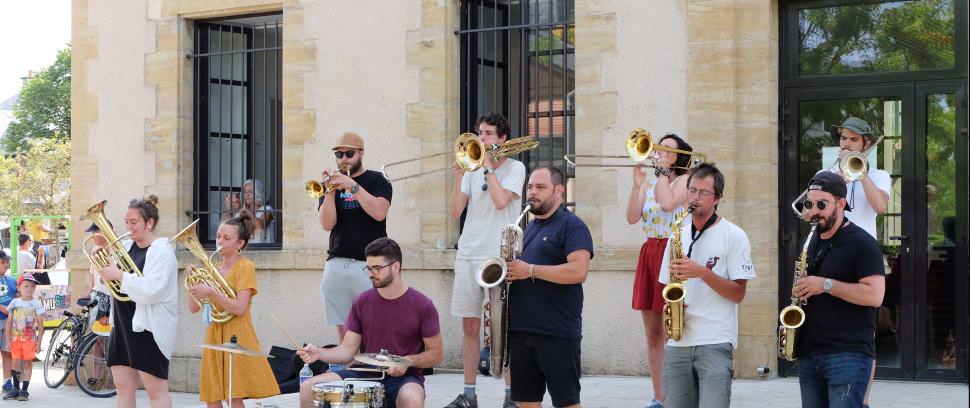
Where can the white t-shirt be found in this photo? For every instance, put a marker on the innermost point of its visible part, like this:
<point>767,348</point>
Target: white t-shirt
<point>862,213</point>
<point>25,261</point>
<point>710,318</point>
<point>482,233</point>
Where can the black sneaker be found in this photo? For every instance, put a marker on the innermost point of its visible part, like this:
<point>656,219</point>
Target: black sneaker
<point>12,394</point>
<point>23,396</point>
<point>463,402</point>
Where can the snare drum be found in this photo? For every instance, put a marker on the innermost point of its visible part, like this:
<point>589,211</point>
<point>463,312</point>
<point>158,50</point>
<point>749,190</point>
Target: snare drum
<point>348,394</point>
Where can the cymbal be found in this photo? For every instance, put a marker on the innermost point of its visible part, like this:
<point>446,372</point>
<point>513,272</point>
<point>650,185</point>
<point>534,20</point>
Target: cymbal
<point>232,347</point>
<point>383,359</point>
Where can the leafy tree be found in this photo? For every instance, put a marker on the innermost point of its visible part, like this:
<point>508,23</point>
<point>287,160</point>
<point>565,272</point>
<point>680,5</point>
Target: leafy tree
<point>37,182</point>
<point>44,108</point>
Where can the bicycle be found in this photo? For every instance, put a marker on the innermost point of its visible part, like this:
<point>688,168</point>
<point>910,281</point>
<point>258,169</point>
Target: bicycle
<point>74,347</point>
<point>91,371</point>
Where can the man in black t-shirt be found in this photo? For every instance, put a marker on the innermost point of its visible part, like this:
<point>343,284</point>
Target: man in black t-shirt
<point>546,297</point>
<point>355,213</point>
<point>844,286</point>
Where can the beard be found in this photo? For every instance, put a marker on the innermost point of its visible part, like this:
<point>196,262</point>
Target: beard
<point>355,167</point>
<point>539,207</point>
<point>382,283</point>
<point>825,223</point>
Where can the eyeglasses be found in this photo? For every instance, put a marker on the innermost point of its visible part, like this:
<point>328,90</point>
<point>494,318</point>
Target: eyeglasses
<point>703,193</point>
<point>820,204</point>
<point>373,270</point>
<point>349,154</point>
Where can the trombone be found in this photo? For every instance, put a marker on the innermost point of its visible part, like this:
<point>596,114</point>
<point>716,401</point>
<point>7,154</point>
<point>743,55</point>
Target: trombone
<point>851,165</point>
<point>316,189</point>
<point>469,153</point>
<point>639,148</point>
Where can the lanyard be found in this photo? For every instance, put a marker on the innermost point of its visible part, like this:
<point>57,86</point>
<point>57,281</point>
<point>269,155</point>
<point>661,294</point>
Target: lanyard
<point>696,235</point>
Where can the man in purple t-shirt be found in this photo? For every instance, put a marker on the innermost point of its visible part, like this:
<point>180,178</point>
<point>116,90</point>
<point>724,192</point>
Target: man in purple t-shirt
<point>391,316</point>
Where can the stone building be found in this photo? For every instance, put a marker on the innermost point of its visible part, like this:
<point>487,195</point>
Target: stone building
<point>188,99</point>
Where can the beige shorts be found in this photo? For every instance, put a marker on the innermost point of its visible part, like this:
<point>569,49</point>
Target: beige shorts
<point>467,297</point>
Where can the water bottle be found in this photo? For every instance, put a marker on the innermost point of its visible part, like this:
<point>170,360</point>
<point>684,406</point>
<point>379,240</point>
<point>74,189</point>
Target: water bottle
<point>305,373</point>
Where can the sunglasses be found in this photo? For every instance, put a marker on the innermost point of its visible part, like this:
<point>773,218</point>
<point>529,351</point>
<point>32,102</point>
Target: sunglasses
<point>349,154</point>
<point>820,204</point>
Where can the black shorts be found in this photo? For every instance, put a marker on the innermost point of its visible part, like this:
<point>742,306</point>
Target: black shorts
<point>539,361</point>
<point>137,350</point>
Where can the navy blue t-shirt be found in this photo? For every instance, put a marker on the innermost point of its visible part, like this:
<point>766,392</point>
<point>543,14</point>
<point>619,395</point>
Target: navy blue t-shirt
<point>544,307</point>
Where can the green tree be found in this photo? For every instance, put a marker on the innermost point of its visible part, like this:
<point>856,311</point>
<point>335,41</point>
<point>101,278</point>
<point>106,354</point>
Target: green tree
<point>44,108</point>
<point>37,181</point>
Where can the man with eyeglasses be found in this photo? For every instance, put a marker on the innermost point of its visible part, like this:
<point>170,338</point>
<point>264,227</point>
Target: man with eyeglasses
<point>491,195</point>
<point>715,271</point>
<point>844,286</point>
<point>392,317</point>
<point>355,214</point>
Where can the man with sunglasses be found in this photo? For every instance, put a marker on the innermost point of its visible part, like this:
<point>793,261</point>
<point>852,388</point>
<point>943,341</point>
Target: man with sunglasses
<point>392,317</point>
<point>844,286</point>
<point>715,271</point>
<point>491,195</point>
<point>355,214</point>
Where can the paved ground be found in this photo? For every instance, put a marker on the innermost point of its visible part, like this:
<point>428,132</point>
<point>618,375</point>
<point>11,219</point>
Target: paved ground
<point>598,392</point>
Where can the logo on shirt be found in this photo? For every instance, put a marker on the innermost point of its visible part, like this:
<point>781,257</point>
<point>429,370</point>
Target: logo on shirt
<point>348,201</point>
<point>712,261</point>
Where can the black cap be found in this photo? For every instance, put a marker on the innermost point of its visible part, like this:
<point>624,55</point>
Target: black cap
<point>831,183</point>
<point>3,255</point>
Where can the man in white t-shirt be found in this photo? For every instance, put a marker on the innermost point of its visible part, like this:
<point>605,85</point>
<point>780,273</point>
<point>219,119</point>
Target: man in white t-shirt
<point>492,195</point>
<point>869,196</point>
<point>715,269</point>
<point>25,258</point>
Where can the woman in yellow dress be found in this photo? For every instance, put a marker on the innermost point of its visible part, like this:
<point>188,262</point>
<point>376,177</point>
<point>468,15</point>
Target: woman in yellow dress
<point>252,376</point>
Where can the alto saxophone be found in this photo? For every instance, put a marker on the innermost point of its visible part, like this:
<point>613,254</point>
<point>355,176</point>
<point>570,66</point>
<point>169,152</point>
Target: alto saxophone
<point>793,316</point>
<point>674,293</point>
<point>491,276</point>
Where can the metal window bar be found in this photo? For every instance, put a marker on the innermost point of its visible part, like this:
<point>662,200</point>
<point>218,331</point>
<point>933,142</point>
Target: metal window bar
<point>515,59</point>
<point>237,66</point>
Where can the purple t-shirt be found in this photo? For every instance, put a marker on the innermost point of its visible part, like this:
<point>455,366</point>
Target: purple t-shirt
<point>398,326</point>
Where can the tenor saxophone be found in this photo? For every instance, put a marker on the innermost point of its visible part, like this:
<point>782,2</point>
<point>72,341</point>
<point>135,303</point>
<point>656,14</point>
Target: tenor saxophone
<point>793,316</point>
<point>674,293</point>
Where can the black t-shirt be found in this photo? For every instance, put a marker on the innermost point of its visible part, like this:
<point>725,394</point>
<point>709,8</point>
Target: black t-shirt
<point>137,255</point>
<point>544,307</point>
<point>833,325</point>
<point>355,229</point>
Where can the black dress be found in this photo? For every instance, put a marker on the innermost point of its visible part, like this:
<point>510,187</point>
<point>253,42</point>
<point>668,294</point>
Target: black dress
<point>137,350</point>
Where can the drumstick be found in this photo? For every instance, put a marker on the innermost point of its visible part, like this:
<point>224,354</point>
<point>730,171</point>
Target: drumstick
<point>285,333</point>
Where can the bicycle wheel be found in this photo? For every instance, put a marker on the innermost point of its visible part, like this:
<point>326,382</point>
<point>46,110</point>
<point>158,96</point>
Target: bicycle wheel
<point>60,352</point>
<point>91,371</point>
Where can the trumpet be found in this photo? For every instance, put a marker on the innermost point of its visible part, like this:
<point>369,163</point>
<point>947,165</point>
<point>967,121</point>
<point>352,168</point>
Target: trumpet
<point>113,254</point>
<point>469,154</point>
<point>208,274</point>
<point>641,149</point>
<point>851,165</point>
<point>316,189</point>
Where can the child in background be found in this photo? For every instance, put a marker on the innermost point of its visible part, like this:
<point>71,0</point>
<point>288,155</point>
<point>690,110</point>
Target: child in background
<point>24,330</point>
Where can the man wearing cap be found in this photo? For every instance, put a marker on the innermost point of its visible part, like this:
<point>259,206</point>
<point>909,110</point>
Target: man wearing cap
<point>844,286</point>
<point>355,214</point>
<point>868,196</point>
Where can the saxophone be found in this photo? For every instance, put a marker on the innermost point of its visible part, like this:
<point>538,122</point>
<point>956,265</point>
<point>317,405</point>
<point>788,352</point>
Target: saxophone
<point>674,293</point>
<point>793,316</point>
<point>491,276</point>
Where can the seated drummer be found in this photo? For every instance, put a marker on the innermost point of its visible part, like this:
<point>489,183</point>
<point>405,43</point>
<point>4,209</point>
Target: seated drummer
<point>390,316</point>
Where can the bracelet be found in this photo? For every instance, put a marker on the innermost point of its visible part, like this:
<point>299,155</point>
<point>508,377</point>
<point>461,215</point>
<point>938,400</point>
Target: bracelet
<point>532,272</point>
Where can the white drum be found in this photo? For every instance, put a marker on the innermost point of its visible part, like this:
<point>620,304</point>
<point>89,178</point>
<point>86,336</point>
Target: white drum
<point>348,394</point>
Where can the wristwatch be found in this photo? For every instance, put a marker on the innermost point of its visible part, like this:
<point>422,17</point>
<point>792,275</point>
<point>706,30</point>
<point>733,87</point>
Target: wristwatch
<point>488,171</point>
<point>827,285</point>
<point>355,188</point>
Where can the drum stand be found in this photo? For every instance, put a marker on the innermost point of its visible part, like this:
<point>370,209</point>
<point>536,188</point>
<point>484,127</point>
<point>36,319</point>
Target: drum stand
<point>233,347</point>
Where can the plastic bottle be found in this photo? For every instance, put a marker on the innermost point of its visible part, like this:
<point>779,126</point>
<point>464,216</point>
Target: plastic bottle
<point>305,373</point>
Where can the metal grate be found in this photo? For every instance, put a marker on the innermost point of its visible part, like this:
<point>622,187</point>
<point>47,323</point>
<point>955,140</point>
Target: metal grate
<point>517,59</point>
<point>238,126</point>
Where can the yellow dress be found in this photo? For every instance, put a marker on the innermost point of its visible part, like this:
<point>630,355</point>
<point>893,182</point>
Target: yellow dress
<point>252,377</point>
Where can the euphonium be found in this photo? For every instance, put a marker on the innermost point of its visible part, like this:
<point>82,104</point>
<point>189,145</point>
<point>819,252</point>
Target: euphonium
<point>208,274</point>
<point>491,275</point>
<point>674,293</point>
<point>793,316</point>
<point>113,254</point>
<point>316,189</point>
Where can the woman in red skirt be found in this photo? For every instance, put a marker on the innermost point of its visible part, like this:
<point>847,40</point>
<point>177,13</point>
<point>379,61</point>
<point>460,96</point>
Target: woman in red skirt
<point>655,201</point>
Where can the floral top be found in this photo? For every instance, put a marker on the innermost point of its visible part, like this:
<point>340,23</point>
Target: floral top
<point>656,222</point>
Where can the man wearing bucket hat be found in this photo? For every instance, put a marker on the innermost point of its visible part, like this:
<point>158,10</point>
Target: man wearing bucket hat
<point>355,214</point>
<point>868,196</point>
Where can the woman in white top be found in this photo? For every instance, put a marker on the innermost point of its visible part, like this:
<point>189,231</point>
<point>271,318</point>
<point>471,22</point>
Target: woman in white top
<point>253,200</point>
<point>142,337</point>
<point>654,202</point>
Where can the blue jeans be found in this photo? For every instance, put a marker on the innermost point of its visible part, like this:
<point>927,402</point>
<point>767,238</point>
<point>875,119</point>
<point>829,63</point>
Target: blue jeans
<point>835,380</point>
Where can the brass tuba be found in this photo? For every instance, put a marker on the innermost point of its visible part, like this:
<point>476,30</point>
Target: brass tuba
<point>316,189</point>
<point>113,254</point>
<point>469,153</point>
<point>491,276</point>
<point>793,316</point>
<point>675,292</point>
<point>208,274</point>
<point>851,165</point>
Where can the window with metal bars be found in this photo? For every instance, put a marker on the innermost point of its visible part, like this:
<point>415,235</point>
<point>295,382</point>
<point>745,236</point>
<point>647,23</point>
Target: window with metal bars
<point>517,60</point>
<point>238,125</point>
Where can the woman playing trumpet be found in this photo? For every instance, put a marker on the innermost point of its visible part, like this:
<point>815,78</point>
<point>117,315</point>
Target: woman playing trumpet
<point>253,378</point>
